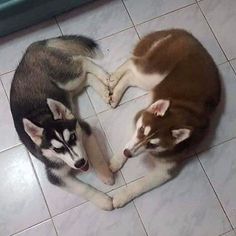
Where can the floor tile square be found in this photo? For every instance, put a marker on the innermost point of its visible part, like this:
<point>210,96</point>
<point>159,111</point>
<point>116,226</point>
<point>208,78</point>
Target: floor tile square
<point>220,166</point>
<point>6,124</point>
<point>141,11</point>
<point>191,19</point>
<point>221,15</point>
<point>13,46</point>
<point>96,20</point>
<point>123,222</point>
<point>6,81</point>
<point>184,206</point>
<point>22,203</point>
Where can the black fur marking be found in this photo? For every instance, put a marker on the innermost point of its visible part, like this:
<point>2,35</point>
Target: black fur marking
<point>56,125</point>
<point>72,140</point>
<point>81,39</point>
<point>60,150</point>
<point>54,179</point>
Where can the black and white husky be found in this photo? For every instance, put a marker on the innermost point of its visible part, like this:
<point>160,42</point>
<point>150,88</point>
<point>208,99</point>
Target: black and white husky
<point>50,73</point>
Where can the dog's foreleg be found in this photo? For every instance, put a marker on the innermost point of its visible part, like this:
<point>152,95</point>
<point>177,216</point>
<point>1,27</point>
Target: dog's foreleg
<point>157,177</point>
<point>117,162</point>
<point>125,82</point>
<point>119,73</point>
<point>98,86</point>
<point>96,158</point>
<point>100,199</point>
<point>92,68</point>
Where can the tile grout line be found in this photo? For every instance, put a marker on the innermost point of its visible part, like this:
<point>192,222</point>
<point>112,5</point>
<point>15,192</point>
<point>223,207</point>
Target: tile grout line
<point>215,192</point>
<point>121,104</point>
<point>41,189</point>
<point>213,146</point>
<point>156,17</point>
<point>9,148</point>
<point>20,231</point>
<point>58,25</point>
<point>110,146</point>
<point>224,234</point>
<point>87,201</point>
<point>3,87</point>
<point>145,230</point>
<point>110,35</point>
<point>131,19</point>
<point>212,31</point>
<point>8,72</point>
<point>230,63</point>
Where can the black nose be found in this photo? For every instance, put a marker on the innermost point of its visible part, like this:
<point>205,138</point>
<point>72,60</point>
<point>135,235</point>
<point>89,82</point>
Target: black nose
<point>79,163</point>
<point>127,153</point>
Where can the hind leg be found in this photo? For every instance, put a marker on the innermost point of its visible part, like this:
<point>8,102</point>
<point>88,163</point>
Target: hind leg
<point>98,86</point>
<point>119,73</point>
<point>126,81</point>
<point>90,67</point>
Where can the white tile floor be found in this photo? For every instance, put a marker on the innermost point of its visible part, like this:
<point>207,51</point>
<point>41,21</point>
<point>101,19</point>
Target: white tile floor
<point>200,201</point>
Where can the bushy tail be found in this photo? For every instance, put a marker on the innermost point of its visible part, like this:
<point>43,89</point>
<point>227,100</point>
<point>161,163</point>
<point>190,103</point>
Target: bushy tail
<point>75,45</point>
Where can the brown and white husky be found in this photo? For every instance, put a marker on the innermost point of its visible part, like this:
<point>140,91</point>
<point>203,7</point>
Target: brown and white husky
<point>185,86</point>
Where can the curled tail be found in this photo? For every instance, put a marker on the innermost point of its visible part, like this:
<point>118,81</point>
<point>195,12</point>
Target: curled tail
<point>75,45</point>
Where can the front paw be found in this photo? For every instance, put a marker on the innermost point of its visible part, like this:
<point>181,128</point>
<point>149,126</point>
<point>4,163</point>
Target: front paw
<point>115,164</point>
<point>106,95</point>
<point>114,101</point>
<point>121,198</point>
<point>103,201</point>
<point>113,80</point>
<point>106,78</point>
<point>108,179</point>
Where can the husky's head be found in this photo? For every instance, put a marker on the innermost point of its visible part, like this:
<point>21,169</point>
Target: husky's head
<point>157,130</point>
<point>61,139</point>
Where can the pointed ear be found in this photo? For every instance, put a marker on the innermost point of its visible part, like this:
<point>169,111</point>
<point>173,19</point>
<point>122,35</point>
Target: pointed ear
<point>181,134</point>
<point>159,107</point>
<point>59,111</point>
<point>33,131</point>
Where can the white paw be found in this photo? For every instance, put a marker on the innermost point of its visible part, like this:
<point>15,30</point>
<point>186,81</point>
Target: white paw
<point>121,198</point>
<point>103,201</point>
<point>114,101</point>
<point>106,95</point>
<point>108,179</point>
<point>115,164</point>
<point>113,81</point>
<point>106,78</point>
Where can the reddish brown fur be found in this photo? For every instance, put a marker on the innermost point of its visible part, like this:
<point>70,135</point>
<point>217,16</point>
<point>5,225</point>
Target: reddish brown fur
<point>192,85</point>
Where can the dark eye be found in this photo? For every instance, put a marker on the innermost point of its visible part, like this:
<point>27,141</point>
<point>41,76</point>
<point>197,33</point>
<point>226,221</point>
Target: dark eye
<point>72,137</point>
<point>141,133</point>
<point>151,145</point>
<point>60,150</point>
<point>141,129</point>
